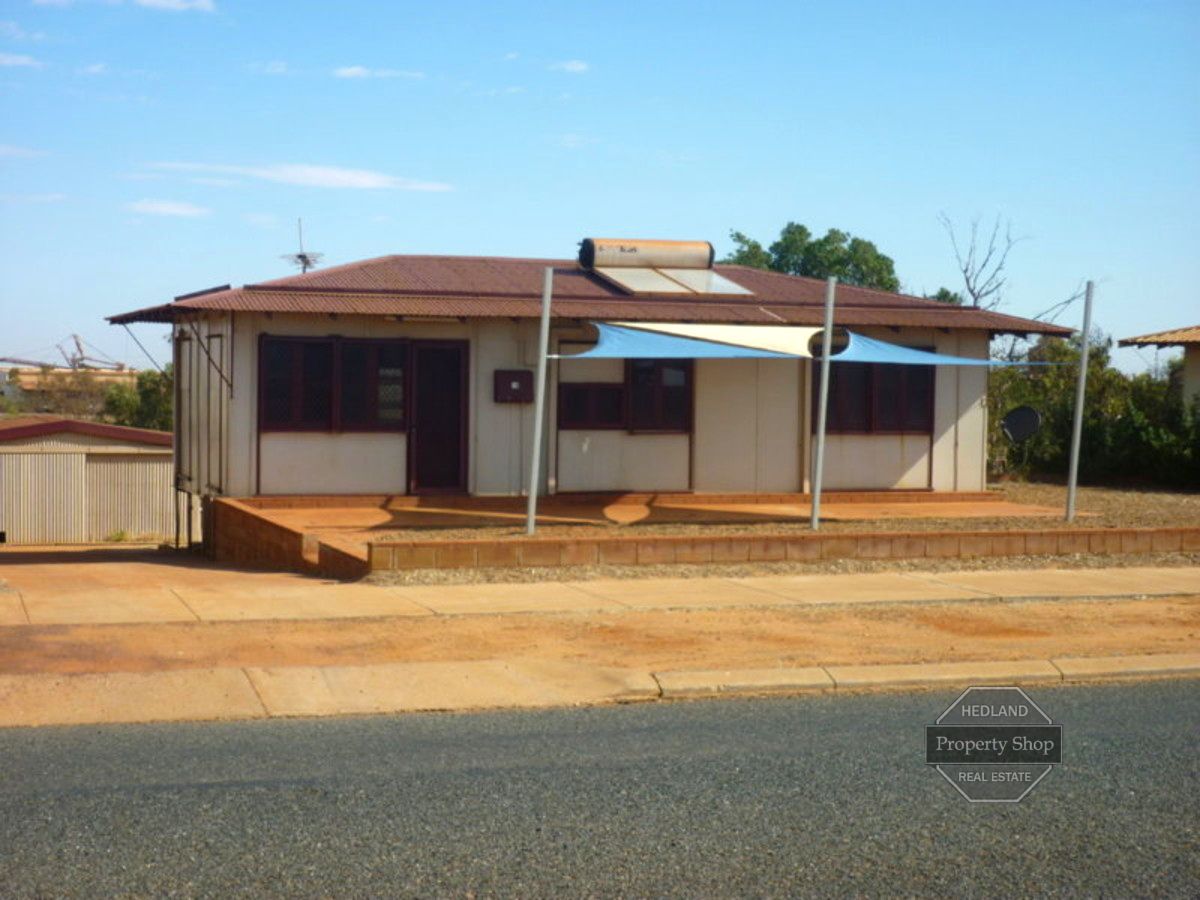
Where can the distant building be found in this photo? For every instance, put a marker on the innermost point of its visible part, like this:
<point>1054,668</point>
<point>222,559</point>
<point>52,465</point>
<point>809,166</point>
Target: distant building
<point>57,389</point>
<point>1189,339</point>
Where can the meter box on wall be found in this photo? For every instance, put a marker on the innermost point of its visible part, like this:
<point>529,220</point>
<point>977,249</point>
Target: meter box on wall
<point>512,386</point>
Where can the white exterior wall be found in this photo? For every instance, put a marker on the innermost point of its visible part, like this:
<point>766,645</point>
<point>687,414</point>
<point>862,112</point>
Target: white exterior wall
<point>747,425</point>
<point>294,462</point>
<point>314,463</point>
<point>1191,374</point>
<point>953,459</point>
<point>751,424</point>
<point>612,459</point>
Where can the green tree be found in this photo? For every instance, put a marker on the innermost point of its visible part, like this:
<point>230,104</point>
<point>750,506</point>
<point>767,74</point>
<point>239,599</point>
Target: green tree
<point>945,295</point>
<point>1135,428</point>
<point>148,405</point>
<point>852,259</point>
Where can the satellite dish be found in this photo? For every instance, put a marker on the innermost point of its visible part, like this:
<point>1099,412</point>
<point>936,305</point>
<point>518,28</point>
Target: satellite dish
<point>1021,424</point>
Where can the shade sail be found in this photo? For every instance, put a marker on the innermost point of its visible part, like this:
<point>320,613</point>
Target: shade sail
<point>619,342</point>
<point>673,340</point>
<point>863,349</point>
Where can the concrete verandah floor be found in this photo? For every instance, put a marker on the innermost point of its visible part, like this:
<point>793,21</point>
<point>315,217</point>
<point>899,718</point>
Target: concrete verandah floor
<point>425,517</point>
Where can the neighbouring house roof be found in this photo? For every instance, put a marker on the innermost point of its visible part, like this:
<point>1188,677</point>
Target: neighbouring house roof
<point>14,428</point>
<point>498,287</point>
<point>1176,337</point>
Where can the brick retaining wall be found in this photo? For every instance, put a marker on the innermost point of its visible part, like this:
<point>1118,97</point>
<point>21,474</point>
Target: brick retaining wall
<point>530,552</point>
<point>244,536</point>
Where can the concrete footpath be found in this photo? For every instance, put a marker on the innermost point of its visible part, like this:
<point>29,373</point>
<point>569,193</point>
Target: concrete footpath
<point>109,594</point>
<point>259,693</point>
<point>41,604</point>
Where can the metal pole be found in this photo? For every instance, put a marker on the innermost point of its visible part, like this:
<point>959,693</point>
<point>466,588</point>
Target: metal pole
<point>1080,391</point>
<point>823,402</point>
<point>539,403</point>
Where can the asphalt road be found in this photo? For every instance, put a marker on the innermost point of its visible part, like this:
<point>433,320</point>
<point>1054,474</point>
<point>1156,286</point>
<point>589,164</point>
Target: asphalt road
<point>801,796</point>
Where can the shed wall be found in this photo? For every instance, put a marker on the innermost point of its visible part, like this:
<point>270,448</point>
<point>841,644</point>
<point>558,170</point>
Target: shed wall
<point>42,498</point>
<point>130,493</point>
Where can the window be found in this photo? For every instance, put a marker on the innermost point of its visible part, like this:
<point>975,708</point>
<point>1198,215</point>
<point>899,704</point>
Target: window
<point>656,396</point>
<point>371,386</point>
<point>874,398</point>
<point>591,405</point>
<point>660,394</point>
<point>331,384</point>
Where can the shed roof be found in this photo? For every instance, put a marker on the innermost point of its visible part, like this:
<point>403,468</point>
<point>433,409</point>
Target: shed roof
<point>1176,337</point>
<point>14,428</point>
<point>501,287</point>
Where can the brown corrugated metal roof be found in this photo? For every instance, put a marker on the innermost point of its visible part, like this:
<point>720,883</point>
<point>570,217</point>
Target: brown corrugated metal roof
<point>40,424</point>
<point>1173,338</point>
<point>492,287</point>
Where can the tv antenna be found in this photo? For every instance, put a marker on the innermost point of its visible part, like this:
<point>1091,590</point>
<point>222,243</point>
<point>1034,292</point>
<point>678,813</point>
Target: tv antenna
<point>305,259</point>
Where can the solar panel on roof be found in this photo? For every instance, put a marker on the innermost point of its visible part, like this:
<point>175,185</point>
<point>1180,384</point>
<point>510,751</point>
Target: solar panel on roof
<point>705,281</point>
<point>641,281</point>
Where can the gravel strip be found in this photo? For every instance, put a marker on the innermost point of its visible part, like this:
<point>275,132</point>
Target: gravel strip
<point>1098,507</point>
<point>745,570</point>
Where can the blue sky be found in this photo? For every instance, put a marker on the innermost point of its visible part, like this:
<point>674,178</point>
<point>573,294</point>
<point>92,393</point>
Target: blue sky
<point>150,148</point>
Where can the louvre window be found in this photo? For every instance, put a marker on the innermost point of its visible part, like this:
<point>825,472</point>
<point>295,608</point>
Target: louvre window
<point>875,398</point>
<point>331,384</point>
<point>656,396</point>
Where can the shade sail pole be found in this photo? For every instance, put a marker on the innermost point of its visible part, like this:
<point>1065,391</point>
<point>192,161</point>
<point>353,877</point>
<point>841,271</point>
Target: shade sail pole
<point>539,404</point>
<point>822,402</point>
<point>1080,393</point>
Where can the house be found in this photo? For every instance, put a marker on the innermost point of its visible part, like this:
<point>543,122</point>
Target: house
<point>414,374</point>
<point>1189,339</point>
<point>65,481</point>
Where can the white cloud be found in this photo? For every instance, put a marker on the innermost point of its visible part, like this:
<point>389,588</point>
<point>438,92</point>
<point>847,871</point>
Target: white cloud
<point>94,69</point>
<point>11,151</point>
<point>505,91</point>
<point>509,57</point>
<point>210,181</point>
<point>167,208</point>
<point>305,175</point>
<point>19,59</point>
<point>364,72</point>
<point>178,5</point>
<point>275,67</point>
<point>14,32</point>
<point>573,66</point>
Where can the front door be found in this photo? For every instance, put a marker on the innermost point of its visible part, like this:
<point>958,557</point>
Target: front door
<point>437,431</point>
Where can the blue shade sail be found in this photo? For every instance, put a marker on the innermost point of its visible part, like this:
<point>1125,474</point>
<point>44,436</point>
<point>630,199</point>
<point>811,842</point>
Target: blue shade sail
<point>628,343</point>
<point>863,349</point>
<point>618,342</point>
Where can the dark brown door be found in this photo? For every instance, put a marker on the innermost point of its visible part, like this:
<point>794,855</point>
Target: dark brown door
<point>437,435</point>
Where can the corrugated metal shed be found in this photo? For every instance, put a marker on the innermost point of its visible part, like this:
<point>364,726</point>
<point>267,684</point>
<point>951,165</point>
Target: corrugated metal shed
<point>83,483</point>
<point>126,493</point>
<point>42,499</point>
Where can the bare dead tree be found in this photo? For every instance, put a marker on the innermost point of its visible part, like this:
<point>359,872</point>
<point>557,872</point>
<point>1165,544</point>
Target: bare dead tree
<point>982,267</point>
<point>1017,344</point>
